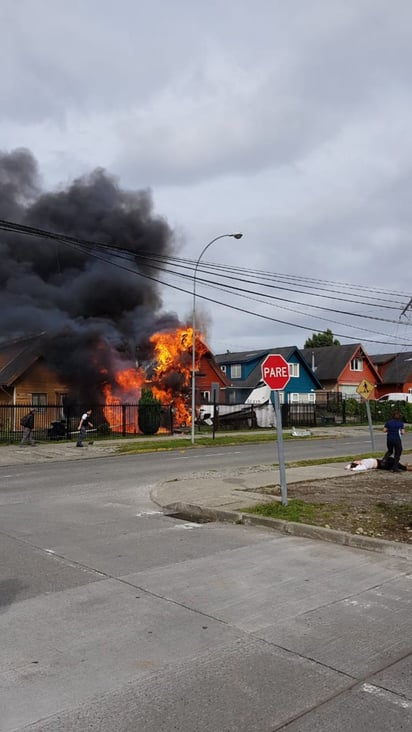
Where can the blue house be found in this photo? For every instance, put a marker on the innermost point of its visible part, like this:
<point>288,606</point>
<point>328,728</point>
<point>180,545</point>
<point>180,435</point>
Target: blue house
<point>243,370</point>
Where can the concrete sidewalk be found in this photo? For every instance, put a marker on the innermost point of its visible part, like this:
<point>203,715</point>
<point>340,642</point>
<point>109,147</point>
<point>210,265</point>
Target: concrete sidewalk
<point>222,498</point>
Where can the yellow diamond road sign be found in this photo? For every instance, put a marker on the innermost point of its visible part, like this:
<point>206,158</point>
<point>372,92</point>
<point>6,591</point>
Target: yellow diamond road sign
<point>365,389</point>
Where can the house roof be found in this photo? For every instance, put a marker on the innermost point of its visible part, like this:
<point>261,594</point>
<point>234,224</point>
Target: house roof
<point>330,361</point>
<point>256,374</point>
<point>17,356</point>
<point>398,366</point>
<point>216,369</point>
<point>239,356</point>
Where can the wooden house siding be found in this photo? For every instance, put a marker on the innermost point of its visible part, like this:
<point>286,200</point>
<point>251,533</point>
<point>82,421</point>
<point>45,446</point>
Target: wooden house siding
<point>209,373</point>
<point>38,379</point>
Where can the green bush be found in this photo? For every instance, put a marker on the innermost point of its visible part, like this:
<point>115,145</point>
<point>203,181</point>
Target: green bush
<point>383,411</point>
<point>149,413</point>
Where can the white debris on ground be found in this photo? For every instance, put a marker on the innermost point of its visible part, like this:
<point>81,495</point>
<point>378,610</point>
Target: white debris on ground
<point>300,433</point>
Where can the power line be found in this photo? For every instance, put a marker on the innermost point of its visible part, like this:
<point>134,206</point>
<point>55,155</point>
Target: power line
<point>92,249</point>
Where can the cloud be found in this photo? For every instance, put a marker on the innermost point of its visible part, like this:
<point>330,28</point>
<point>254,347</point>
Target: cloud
<point>288,123</point>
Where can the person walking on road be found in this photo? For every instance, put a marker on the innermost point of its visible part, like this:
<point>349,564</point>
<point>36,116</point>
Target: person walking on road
<point>395,429</point>
<point>83,425</point>
<point>27,423</point>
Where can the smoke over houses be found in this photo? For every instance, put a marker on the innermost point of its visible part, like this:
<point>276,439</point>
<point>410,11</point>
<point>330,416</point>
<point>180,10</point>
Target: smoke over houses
<point>97,317</point>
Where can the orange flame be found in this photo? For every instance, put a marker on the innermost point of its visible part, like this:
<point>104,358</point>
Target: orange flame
<point>170,381</point>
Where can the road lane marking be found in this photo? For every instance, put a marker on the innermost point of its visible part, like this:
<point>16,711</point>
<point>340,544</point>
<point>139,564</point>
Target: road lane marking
<point>387,695</point>
<point>215,454</point>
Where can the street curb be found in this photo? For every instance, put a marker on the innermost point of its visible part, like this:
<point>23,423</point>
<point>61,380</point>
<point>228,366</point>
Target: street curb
<point>368,543</point>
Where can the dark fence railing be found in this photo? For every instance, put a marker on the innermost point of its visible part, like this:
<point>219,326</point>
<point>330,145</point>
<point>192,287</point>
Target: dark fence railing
<point>53,422</point>
<point>330,409</point>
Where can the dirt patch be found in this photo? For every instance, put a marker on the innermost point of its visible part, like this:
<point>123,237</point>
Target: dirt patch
<point>375,503</point>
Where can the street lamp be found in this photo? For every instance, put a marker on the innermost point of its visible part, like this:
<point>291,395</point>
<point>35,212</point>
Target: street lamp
<point>222,236</point>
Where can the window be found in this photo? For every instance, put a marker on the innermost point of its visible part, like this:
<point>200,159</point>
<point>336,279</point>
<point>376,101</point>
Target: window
<point>302,398</point>
<point>236,371</point>
<point>294,370</point>
<point>39,401</point>
<point>356,364</point>
<point>61,397</point>
<point>205,396</point>
<point>223,368</point>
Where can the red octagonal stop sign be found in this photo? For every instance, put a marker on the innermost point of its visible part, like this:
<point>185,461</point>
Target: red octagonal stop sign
<point>275,371</point>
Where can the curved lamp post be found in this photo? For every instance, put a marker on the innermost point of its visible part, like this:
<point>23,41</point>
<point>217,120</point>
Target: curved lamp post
<point>222,236</point>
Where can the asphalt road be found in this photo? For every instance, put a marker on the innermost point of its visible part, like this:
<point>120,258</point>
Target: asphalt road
<point>118,618</point>
<point>153,467</point>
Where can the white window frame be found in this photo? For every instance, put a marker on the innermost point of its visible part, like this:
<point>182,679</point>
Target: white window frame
<point>236,371</point>
<point>356,364</point>
<point>205,397</point>
<point>294,370</point>
<point>223,368</point>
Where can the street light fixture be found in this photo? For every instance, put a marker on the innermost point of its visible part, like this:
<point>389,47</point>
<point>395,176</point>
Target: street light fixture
<point>222,236</point>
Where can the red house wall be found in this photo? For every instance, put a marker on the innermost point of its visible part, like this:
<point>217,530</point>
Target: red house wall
<point>356,377</point>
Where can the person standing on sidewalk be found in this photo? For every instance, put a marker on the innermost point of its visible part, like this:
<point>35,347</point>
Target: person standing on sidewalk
<point>27,423</point>
<point>395,429</point>
<point>83,425</point>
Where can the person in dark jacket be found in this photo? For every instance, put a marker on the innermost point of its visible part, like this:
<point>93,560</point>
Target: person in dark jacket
<point>394,429</point>
<point>27,423</point>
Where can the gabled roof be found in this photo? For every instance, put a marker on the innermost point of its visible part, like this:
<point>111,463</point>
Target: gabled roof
<point>216,368</point>
<point>241,356</point>
<point>17,356</point>
<point>398,366</point>
<point>330,361</point>
<point>255,375</point>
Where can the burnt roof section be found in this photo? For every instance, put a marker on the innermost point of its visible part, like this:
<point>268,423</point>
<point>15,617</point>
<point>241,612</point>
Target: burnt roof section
<point>17,356</point>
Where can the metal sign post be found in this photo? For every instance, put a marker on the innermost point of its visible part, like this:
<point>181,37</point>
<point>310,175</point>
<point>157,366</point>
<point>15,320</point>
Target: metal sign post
<point>281,454</point>
<point>368,412</point>
<point>275,374</point>
<point>365,390</point>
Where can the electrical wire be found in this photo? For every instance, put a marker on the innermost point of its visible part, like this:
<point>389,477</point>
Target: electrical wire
<point>163,262</point>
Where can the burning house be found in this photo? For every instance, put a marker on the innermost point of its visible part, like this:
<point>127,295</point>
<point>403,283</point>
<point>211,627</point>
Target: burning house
<point>104,334</point>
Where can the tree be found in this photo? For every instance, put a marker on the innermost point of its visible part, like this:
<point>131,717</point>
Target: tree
<point>149,412</point>
<point>320,340</point>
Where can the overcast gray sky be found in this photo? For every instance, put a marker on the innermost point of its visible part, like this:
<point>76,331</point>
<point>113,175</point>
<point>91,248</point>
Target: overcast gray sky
<point>288,121</point>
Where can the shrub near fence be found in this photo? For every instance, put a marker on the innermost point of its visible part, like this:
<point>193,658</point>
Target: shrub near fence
<point>53,422</point>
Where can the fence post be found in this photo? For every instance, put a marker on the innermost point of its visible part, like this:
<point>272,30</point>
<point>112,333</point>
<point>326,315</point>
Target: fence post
<point>123,420</point>
<point>68,423</point>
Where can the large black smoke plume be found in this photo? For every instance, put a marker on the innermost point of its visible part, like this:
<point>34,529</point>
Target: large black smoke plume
<point>89,309</point>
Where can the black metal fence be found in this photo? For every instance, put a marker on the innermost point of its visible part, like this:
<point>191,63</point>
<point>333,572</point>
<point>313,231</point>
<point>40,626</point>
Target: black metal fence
<point>53,422</point>
<point>331,409</point>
